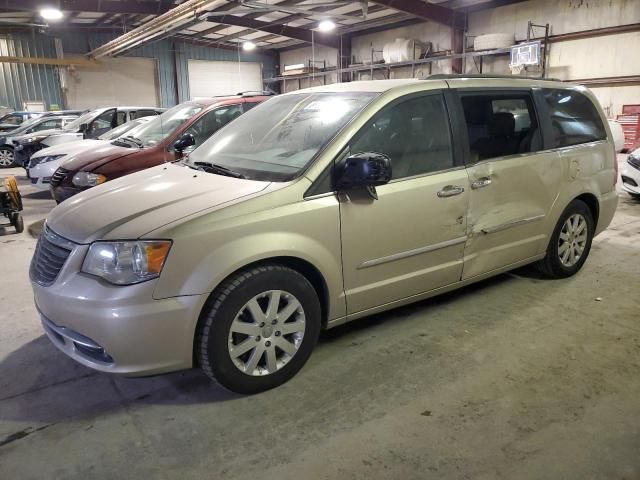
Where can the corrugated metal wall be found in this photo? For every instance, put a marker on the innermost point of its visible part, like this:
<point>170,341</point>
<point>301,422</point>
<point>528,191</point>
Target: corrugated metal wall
<point>21,82</point>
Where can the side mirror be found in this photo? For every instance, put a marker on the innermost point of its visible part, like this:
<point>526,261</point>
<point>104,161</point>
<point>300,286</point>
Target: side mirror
<point>186,140</point>
<point>84,128</point>
<point>363,170</point>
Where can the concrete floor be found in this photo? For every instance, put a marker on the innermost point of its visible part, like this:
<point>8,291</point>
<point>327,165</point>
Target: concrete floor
<point>514,377</point>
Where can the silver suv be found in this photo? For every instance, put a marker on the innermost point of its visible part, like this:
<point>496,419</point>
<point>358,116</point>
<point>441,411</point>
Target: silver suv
<point>318,207</point>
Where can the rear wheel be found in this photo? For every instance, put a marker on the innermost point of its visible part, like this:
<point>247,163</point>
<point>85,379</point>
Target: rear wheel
<point>6,157</point>
<point>570,242</point>
<point>17,222</point>
<point>258,328</point>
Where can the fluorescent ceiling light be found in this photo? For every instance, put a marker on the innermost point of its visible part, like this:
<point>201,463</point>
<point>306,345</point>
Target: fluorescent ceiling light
<point>51,14</point>
<point>326,26</point>
<point>248,46</point>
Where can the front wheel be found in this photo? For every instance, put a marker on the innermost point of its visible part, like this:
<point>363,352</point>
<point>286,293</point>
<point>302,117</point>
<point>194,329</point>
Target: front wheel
<point>570,242</point>
<point>6,157</point>
<point>258,328</point>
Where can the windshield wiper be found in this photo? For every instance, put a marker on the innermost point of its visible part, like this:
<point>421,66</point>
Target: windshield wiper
<point>218,169</point>
<point>136,141</point>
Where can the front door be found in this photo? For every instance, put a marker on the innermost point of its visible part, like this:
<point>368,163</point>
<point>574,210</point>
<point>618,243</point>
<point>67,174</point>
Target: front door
<point>514,181</point>
<point>411,239</point>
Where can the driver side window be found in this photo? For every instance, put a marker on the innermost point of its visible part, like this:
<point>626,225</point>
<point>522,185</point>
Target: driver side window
<point>212,121</point>
<point>102,123</point>
<point>413,133</point>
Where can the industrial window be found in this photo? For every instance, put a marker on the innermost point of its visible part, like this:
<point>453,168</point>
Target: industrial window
<point>574,118</point>
<point>499,125</point>
<point>414,134</point>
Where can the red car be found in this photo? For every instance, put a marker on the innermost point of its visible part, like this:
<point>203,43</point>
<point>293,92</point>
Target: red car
<point>166,138</point>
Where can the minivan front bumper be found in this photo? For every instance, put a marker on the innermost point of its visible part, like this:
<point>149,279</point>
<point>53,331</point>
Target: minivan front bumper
<point>117,329</point>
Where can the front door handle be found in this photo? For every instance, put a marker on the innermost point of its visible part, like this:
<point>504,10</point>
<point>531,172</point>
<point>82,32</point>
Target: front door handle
<point>450,191</point>
<point>481,183</point>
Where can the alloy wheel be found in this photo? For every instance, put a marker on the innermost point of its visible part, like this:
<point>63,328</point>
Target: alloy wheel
<point>6,157</point>
<point>572,240</point>
<point>266,333</point>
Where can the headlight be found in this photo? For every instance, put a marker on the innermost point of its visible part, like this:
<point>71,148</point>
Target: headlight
<point>128,262</point>
<point>86,179</point>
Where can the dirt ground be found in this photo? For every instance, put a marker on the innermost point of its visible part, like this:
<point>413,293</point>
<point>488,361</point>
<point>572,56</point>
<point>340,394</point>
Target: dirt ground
<point>511,378</point>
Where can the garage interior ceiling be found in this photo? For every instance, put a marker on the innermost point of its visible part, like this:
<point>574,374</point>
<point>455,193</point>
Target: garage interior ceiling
<point>271,24</point>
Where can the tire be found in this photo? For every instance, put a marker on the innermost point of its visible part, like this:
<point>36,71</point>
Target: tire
<point>552,265</point>
<point>17,222</point>
<point>635,196</point>
<point>6,157</point>
<point>227,311</point>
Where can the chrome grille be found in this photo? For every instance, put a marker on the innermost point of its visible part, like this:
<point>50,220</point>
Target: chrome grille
<point>51,252</point>
<point>58,176</point>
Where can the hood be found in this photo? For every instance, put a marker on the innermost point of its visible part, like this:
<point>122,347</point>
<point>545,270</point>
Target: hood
<point>94,157</point>
<point>70,148</point>
<point>135,204</point>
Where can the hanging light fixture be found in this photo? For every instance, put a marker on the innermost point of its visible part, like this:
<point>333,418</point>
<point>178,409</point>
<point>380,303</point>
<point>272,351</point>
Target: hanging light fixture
<point>51,14</point>
<point>248,46</point>
<point>326,25</point>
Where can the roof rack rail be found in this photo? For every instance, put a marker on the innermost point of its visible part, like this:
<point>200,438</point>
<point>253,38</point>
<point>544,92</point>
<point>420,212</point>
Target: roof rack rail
<point>255,93</point>
<point>449,76</point>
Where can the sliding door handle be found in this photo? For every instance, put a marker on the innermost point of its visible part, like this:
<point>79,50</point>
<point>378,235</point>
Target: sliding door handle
<point>481,183</point>
<point>450,191</point>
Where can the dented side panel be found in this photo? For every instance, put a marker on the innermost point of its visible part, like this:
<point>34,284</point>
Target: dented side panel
<point>508,218</point>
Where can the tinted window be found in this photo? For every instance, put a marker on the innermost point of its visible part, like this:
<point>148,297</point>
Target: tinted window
<point>249,105</point>
<point>499,125</point>
<point>121,118</point>
<point>414,134</point>
<point>212,121</point>
<point>574,119</point>
<point>13,119</point>
<point>53,123</point>
<point>142,113</point>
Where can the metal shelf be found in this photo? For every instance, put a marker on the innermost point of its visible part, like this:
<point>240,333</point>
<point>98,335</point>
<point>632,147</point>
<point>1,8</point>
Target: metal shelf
<point>388,66</point>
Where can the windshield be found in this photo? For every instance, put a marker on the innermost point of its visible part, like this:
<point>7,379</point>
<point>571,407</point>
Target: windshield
<point>162,126</point>
<point>86,118</point>
<point>276,140</point>
<point>126,128</point>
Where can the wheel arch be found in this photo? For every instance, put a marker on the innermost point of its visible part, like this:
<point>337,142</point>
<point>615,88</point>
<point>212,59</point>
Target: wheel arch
<point>300,265</point>
<point>592,202</point>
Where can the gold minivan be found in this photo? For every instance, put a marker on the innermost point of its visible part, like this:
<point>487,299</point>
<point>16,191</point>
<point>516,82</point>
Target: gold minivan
<point>318,207</point>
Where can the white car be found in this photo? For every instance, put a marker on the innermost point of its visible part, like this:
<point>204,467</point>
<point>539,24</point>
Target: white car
<point>631,174</point>
<point>45,162</point>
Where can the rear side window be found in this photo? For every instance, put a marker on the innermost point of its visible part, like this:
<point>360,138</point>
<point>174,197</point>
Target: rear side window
<point>574,118</point>
<point>499,125</point>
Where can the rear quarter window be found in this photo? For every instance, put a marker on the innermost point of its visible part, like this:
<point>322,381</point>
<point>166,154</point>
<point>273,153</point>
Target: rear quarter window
<point>574,119</point>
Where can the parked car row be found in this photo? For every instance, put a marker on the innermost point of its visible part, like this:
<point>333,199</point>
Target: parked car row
<point>312,209</point>
<point>89,125</point>
<point>11,121</point>
<point>73,167</point>
<point>30,127</point>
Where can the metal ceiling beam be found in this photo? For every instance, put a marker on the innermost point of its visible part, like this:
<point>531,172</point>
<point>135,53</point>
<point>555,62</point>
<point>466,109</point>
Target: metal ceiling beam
<point>102,6</point>
<point>296,33</point>
<point>293,18</point>
<point>426,11</point>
